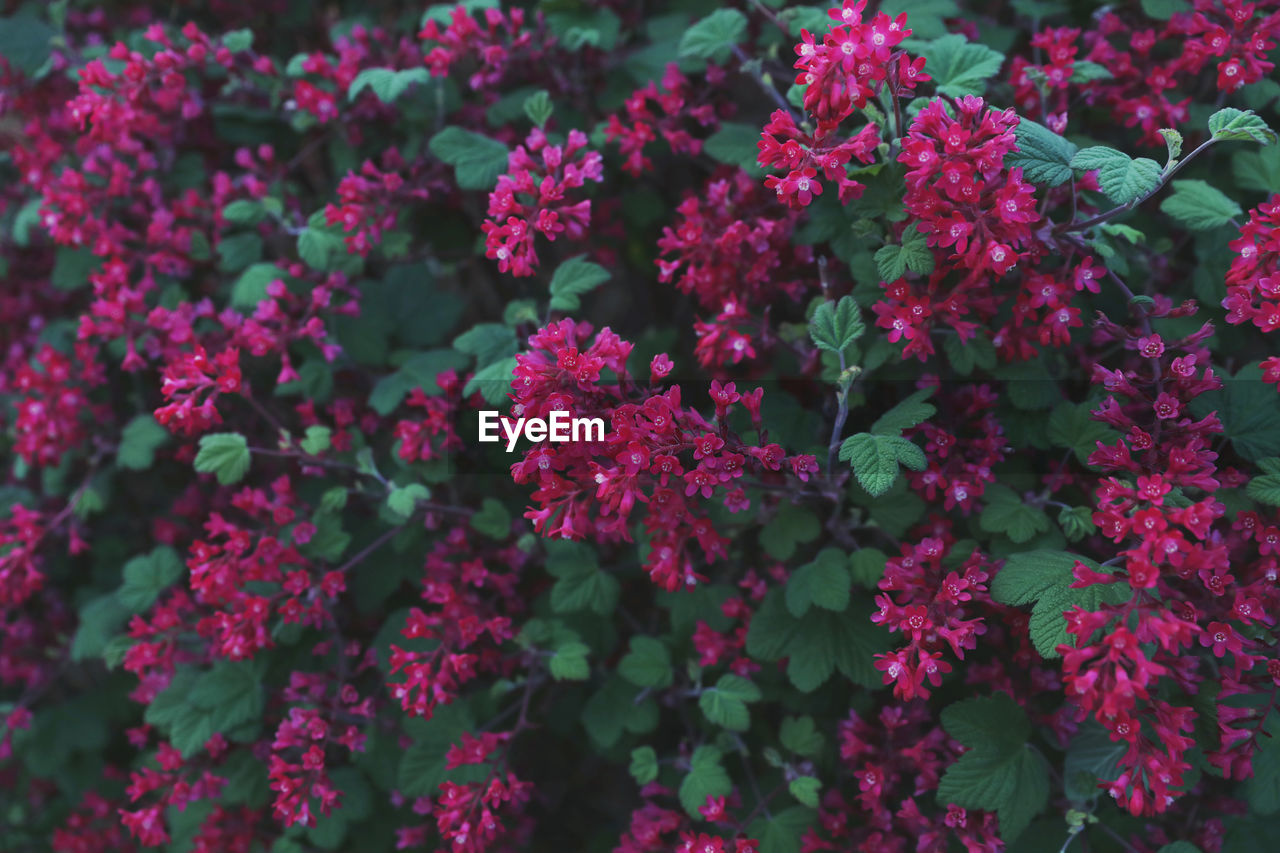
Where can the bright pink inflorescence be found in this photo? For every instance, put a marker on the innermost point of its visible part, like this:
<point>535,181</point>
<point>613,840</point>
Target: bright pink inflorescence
<point>532,198</point>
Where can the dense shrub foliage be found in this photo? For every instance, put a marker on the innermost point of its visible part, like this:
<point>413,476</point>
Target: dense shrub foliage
<point>937,504</point>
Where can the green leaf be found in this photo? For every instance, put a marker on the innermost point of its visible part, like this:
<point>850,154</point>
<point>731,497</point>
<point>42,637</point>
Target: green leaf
<point>334,499</point>
<point>714,36</point>
<point>1163,10</point>
<point>805,789</point>
<point>912,411</point>
<point>538,107</point>
<point>493,381</point>
<point>573,278</point>
<point>648,664</point>
<point>251,287</point>
<point>816,645</point>
<point>581,585</point>
<point>442,14</point>
<point>238,41</point>
<point>1262,790</point>
<point>139,441</point>
<point>1044,578</point>
<point>239,251</point>
<point>892,261</point>
<point>1258,170</point>
<point>1266,489</point>
<point>1250,412</point>
<point>1230,123</point>
<point>1029,385</point>
<point>225,455</point>
<point>1086,71</point>
<point>875,459</point>
<point>616,707</point>
<point>403,500</point>
<point>706,778</point>
<point>1044,156</point>
<point>386,83</point>
<point>644,765</point>
<point>492,520</point>
<point>418,371</point>
<point>422,765</point>
<point>784,830</point>
<point>27,218</point>
<point>1077,523</point>
<point>999,772</point>
<point>196,706</point>
<point>330,541</point>
<point>72,267</point>
<point>1122,179</point>
<point>1092,757</point>
<point>1071,426</point>
<point>724,710</point>
<point>477,160</point>
<point>244,212</point>
<point>799,735</point>
<point>316,440</point>
<point>735,144</point>
<point>145,577</point>
<point>790,526</point>
<point>1172,142</point>
<point>100,620</point>
<point>1181,847</point>
<point>835,325</point>
<point>866,565</point>
<point>965,356</point>
<point>1199,206</point>
<point>320,249</point>
<point>25,42</point>
<point>487,342</point>
<point>1009,513</point>
<point>959,67</point>
<point>825,582</point>
<point>569,663</point>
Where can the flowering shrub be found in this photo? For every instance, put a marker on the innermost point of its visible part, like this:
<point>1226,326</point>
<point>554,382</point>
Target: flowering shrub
<point>937,501</point>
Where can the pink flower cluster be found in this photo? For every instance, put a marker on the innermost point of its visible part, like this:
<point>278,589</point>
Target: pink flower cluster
<point>657,451</point>
<point>1253,281</point>
<point>726,248</point>
<point>531,198</point>
<point>663,111</point>
<point>928,604</point>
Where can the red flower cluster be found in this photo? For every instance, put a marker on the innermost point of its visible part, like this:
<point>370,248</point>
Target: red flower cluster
<point>665,111</point>
<point>1188,582</point>
<point>493,45</point>
<point>929,608</point>
<point>460,588</point>
<point>977,216</point>
<point>225,565</point>
<point>531,199</point>
<point>368,206</point>
<point>1253,282</point>
<point>851,63</point>
<point>51,414</point>
<point>193,385</point>
<point>962,458</point>
<point>656,452</point>
<point>728,244</point>
<point>1234,34</point>
<point>894,756</point>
